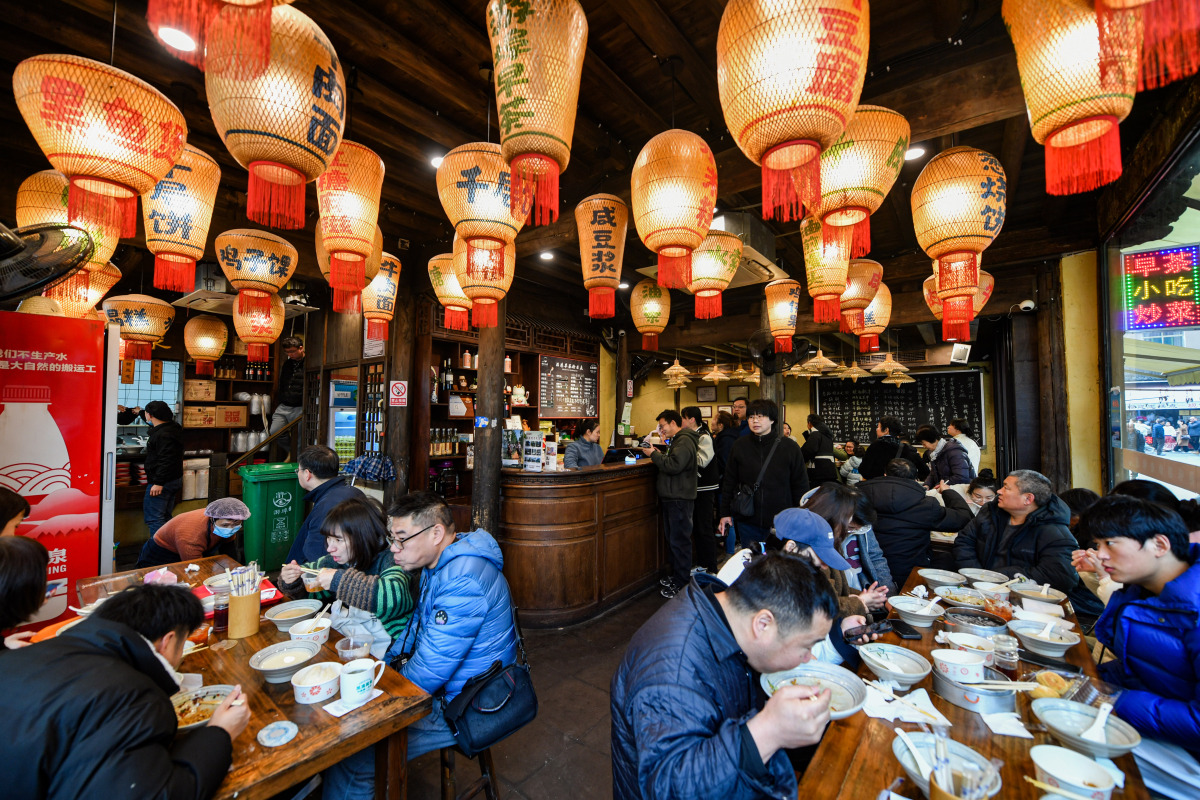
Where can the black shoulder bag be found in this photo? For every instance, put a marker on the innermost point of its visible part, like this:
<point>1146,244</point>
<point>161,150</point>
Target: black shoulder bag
<point>743,501</point>
<point>494,705</point>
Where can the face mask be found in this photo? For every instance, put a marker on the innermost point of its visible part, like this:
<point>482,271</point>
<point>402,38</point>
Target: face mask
<point>225,533</point>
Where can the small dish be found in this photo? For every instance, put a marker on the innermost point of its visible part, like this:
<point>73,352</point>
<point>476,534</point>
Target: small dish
<point>1056,646</point>
<point>285,615</point>
<point>909,609</point>
<point>960,596</point>
<point>907,668</point>
<point>1033,591</point>
<point>1067,719</point>
<point>198,706</point>
<point>993,590</point>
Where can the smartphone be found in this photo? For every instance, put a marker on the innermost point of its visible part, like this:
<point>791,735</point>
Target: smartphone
<point>854,635</point>
<point>904,630</point>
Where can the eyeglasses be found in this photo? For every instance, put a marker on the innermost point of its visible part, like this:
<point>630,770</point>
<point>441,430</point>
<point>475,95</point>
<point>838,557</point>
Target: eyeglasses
<point>399,542</point>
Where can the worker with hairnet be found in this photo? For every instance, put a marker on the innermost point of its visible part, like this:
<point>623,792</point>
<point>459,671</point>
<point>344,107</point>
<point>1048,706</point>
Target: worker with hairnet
<point>207,531</point>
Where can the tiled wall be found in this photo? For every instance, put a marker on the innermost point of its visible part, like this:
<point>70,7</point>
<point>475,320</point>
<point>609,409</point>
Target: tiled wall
<point>141,391</point>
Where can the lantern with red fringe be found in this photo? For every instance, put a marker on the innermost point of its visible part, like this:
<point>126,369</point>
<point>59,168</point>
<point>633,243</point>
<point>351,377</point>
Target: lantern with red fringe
<point>184,28</point>
<point>862,281</point>
<point>113,135</point>
<point>858,171</point>
<point>876,317</point>
<point>714,263</point>
<point>379,298</point>
<point>1077,92</point>
<point>783,303</point>
<point>285,124</point>
<point>958,207</point>
<point>473,185</point>
<point>650,305</point>
<point>177,213</point>
<point>348,199</point>
<point>259,329</point>
<point>100,278</point>
<point>485,288</point>
<point>205,337</point>
<point>790,75</point>
<point>959,331</point>
<point>538,48</point>
<point>826,264</point>
<point>674,188</point>
<point>1170,39</point>
<point>449,293</point>
<point>256,263</point>
<point>603,222</point>
<point>144,321</point>
<point>348,301</point>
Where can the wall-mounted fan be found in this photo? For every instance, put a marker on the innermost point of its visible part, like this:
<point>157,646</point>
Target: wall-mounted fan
<point>36,257</point>
<point>762,353</point>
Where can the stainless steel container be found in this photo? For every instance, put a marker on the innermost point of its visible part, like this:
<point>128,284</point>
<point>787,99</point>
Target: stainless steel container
<point>980,701</point>
<point>985,630</point>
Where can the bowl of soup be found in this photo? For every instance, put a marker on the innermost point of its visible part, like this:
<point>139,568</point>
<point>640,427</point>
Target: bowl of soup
<point>279,662</point>
<point>285,615</point>
<point>310,630</point>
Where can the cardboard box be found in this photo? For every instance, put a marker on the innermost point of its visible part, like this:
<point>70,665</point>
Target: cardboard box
<point>197,391</point>
<point>199,417</point>
<point>231,416</point>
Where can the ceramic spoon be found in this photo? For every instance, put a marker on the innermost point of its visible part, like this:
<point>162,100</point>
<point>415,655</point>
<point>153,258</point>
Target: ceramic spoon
<point>922,765</point>
<point>1096,732</point>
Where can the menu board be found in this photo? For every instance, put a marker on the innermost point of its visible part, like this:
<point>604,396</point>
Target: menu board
<point>1162,288</point>
<point>852,409</point>
<point>567,388</point>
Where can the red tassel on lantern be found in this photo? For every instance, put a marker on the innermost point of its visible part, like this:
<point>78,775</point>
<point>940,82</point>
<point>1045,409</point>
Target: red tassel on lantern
<point>204,368</point>
<point>138,351</point>
<point>190,17</point>
<point>534,188</point>
<point>827,309</point>
<point>787,191</point>
<point>347,301</point>
<point>1170,39</point>
<point>649,341</point>
<point>851,319</point>
<point>252,301</point>
<point>783,344</point>
<point>175,272</point>
<point>956,315</point>
<point>674,272</point>
<point>275,195</point>
<point>455,319</point>
<point>106,210</point>
<point>708,306</point>
<point>486,263</point>
<point>377,330</point>
<point>245,30</point>
<point>839,236</point>
<point>868,343</point>
<point>347,271</point>
<point>1087,166</point>
<point>860,244</point>
<point>71,288</point>
<point>258,353</point>
<point>602,303</point>
<point>483,315</point>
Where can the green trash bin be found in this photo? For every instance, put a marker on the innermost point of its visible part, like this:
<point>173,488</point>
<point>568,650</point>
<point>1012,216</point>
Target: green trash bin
<point>276,502</point>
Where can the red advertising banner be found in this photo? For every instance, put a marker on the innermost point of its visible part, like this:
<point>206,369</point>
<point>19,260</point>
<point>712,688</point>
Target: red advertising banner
<point>51,388</point>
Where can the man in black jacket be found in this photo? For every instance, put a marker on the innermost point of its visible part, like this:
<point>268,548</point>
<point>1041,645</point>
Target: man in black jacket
<point>783,482</point>
<point>888,445</point>
<point>906,515</point>
<point>290,403</point>
<point>89,713</point>
<point>1025,529</point>
<point>324,488</point>
<point>164,465</point>
<point>676,485</point>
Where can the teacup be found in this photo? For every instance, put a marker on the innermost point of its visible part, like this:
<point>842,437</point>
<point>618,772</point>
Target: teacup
<point>359,678</point>
<point>959,666</point>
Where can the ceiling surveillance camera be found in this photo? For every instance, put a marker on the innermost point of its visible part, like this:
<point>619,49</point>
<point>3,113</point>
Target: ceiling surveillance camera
<point>1028,305</point>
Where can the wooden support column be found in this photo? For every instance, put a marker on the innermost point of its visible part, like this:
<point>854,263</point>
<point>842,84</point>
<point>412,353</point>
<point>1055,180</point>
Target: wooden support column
<point>420,392</point>
<point>489,403</point>
<point>397,440</point>
<point>770,387</point>
<point>1052,371</point>
<point>623,374</point>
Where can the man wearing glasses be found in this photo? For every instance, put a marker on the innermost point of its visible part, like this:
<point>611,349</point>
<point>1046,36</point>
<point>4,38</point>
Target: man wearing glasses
<point>463,621</point>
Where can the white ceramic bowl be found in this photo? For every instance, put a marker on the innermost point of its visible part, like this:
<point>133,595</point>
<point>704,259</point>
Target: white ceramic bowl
<point>907,668</point>
<point>206,696</point>
<point>1067,719</point>
<point>301,631</point>
<point>1027,631</point>
<point>993,590</point>
<point>284,623</point>
<point>970,643</point>
<point>960,756</point>
<point>848,691</point>
<point>308,686</point>
<point>1033,591</point>
<point>908,608</point>
<point>976,574</point>
<point>960,666</point>
<point>941,577</point>
<point>1072,771</point>
<point>960,596</point>
<point>293,656</point>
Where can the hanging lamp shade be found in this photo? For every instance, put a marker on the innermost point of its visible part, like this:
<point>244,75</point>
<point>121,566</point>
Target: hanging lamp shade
<point>854,372</point>
<point>959,331</point>
<point>674,186</point>
<point>862,281</point>
<point>473,185</point>
<point>858,171</point>
<point>379,298</point>
<point>819,362</point>
<point>144,321</point>
<point>676,371</point>
<point>650,305</point>
<point>537,49</point>
<point>754,377</point>
<point>256,263</point>
<point>1170,39</point>
<point>205,337</point>
<point>826,265</point>
<point>259,329</point>
<point>100,278</point>
<point>449,293</point>
<point>345,300</point>
<point>875,320</point>
<point>714,263</point>
<point>714,375</point>
<point>284,124</point>
<point>486,288</point>
<point>739,373</point>
<point>348,199</point>
<point>898,379</point>
<point>790,75</point>
<point>783,300</point>
<point>958,208</point>
<point>838,371</point>
<point>176,214</point>
<point>183,28</point>
<point>888,366</point>
<point>1077,92</point>
<point>603,223</point>
<point>113,135</point>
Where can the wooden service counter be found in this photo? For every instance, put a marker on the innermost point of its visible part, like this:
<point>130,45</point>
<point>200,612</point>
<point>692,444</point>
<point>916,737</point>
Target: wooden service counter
<point>578,542</point>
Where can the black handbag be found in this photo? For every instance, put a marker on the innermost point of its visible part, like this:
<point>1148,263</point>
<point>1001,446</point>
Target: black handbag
<point>742,504</point>
<point>493,705</point>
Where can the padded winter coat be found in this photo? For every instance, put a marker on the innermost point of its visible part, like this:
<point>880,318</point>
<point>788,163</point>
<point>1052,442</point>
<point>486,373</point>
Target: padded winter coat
<point>906,515</point>
<point>309,544</point>
<point>883,450</point>
<point>818,448</point>
<point>784,482</point>
<point>952,465</point>
<point>1040,550</point>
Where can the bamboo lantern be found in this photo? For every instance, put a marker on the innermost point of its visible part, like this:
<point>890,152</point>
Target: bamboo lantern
<point>538,48</point>
<point>449,293</point>
<point>819,362</point>
<point>205,338</point>
<point>1077,92</point>
<point>259,330</point>
<point>676,371</point>
<point>485,288</point>
<point>113,135</point>
<point>603,223</point>
<point>862,281</point>
<point>256,263</point>
<point>826,266</point>
<point>858,171</point>
<point>650,305</point>
<point>783,300</point>
<point>875,320</point>
<point>888,366</point>
<point>42,306</point>
<point>714,263</point>
<point>1171,38</point>
<point>348,199</point>
<point>347,301</point>
<point>285,124</point>
<point>674,185</point>
<point>183,28</point>
<point>714,375</point>
<point>854,372</point>
<point>960,331</point>
<point>958,207</point>
<point>143,320</point>
<point>176,214</point>
<point>100,278</point>
<point>379,298</point>
<point>790,75</point>
<point>472,184</point>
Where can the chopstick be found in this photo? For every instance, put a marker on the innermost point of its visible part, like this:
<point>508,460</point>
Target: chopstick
<point>1020,686</point>
<point>196,650</point>
<point>1055,789</point>
<point>310,571</point>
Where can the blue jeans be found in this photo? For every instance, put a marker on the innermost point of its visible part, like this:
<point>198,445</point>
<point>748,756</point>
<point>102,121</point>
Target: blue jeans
<point>353,778</point>
<point>156,509</point>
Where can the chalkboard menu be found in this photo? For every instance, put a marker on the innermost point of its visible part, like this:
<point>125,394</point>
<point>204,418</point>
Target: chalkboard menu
<point>567,388</point>
<point>852,409</point>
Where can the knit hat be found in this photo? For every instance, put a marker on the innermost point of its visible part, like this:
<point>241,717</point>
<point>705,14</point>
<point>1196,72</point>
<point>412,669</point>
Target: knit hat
<point>809,529</point>
<point>227,508</point>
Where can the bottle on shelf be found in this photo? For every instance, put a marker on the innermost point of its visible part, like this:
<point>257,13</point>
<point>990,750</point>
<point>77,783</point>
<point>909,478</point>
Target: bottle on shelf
<point>475,363</point>
<point>466,359</point>
<point>433,385</point>
<point>508,363</point>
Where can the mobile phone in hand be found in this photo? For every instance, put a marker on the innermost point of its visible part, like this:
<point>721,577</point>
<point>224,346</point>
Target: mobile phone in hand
<point>862,634</point>
<point>904,630</point>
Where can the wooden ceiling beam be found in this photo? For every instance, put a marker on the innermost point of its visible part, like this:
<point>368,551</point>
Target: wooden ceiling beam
<point>1012,151</point>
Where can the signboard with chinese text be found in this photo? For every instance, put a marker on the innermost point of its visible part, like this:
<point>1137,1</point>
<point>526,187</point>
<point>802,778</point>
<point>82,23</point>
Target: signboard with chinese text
<point>852,409</point>
<point>1162,288</point>
<point>567,388</point>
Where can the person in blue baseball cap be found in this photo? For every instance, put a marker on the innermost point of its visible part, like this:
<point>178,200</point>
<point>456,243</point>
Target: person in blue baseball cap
<point>803,530</point>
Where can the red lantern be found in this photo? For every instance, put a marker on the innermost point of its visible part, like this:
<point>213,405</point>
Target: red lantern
<point>348,198</point>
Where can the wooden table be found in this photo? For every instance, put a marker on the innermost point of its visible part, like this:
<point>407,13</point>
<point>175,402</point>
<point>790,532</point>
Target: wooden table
<point>855,759</point>
<point>323,740</point>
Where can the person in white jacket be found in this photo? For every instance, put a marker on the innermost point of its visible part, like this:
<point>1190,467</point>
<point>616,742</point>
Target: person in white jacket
<point>849,468</point>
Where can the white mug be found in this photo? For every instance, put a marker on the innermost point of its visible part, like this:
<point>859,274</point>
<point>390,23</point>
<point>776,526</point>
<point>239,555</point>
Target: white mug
<point>359,678</point>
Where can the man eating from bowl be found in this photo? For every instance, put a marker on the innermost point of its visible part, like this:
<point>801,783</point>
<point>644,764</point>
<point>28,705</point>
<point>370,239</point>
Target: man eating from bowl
<point>89,713</point>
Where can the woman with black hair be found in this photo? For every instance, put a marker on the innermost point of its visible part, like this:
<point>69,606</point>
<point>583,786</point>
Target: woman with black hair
<point>818,452</point>
<point>23,563</point>
<point>585,450</point>
<point>13,511</point>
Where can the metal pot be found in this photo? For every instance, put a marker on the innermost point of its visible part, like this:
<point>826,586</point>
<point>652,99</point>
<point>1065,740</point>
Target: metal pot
<point>980,701</point>
<point>998,625</point>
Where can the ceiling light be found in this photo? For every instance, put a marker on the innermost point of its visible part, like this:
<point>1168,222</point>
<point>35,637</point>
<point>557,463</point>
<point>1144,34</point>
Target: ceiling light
<point>547,255</point>
<point>436,161</point>
<point>708,359</point>
<point>914,152</point>
<point>177,39</point>
<point>622,285</point>
<point>716,210</point>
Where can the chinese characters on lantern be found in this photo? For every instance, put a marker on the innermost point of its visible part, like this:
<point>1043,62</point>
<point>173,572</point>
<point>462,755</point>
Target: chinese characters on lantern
<point>324,131</point>
<point>994,187</point>
<point>604,252</point>
<point>255,261</point>
<point>1161,288</point>
<point>510,66</point>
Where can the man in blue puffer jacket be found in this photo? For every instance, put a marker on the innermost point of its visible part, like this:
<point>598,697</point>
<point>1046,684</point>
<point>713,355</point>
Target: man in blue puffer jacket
<point>1152,625</point>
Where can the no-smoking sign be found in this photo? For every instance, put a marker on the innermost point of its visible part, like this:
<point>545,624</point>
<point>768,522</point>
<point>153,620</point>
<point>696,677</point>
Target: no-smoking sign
<point>398,393</point>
